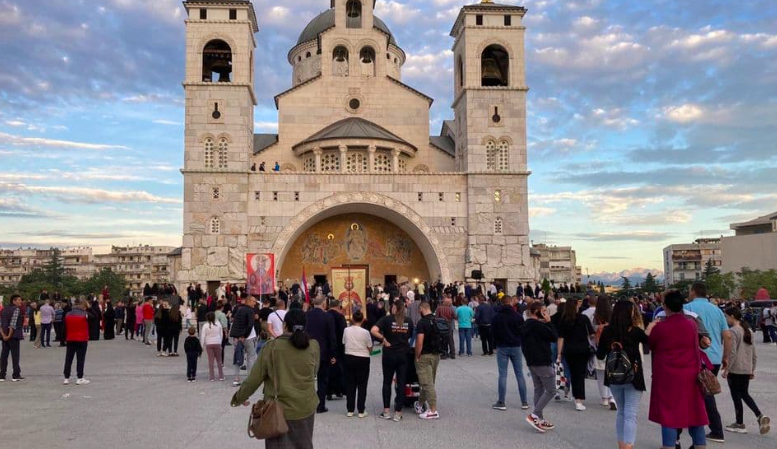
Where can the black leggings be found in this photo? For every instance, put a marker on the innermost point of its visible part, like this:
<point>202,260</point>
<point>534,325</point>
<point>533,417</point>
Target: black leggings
<point>739,385</point>
<point>394,364</point>
<point>578,367</point>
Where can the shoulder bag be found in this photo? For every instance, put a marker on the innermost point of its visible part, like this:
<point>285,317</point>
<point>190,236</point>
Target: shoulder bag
<point>266,421</point>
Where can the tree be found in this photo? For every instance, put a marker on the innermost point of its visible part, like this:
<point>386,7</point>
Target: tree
<point>709,269</point>
<point>545,286</point>
<point>721,285</point>
<point>752,280</point>
<point>94,285</point>
<point>683,286</point>
<point>601,287</point>
<point>650,285</point>
<point>54,270</point>
<point>626,286</point>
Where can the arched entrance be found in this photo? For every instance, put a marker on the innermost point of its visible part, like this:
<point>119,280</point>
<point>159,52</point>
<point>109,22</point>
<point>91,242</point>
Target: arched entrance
<point>387,209</point>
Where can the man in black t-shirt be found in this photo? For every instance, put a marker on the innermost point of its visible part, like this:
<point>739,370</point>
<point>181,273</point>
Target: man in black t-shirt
<point>427,358</point>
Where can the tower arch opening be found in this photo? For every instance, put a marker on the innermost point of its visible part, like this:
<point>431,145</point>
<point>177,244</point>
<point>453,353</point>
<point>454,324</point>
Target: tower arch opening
<point>494,66</point>
<point>367,59</point>
<point>353,14</point>
<point>217,62</point>
<point>340,61</point>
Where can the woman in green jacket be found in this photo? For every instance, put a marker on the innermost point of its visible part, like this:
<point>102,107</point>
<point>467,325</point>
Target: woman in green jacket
<point>291,361</point>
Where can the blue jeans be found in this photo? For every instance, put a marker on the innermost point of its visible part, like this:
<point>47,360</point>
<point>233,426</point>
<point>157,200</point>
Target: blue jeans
<point>669,436</point>
<point>627,399</point>
<point>772,333</point>
<point>514,355</point>
<point>465,337</point>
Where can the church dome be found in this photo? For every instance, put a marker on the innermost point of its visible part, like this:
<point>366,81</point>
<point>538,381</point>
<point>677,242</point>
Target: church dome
<point>326,20</point>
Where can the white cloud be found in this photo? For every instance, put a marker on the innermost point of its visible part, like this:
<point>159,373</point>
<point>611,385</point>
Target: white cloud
<point>398,12</point>
<point>167,122</point>
<point>266,126</point>
<point>685,113</point>
<point>70,194</point>
<point>43,142</point>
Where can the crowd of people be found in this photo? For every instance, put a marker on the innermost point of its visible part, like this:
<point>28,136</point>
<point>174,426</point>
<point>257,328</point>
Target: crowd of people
<point>305,352</point>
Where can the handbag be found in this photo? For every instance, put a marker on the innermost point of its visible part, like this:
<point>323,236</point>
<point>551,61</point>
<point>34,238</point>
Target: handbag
<point>266,420</point>
<point>708,381</point>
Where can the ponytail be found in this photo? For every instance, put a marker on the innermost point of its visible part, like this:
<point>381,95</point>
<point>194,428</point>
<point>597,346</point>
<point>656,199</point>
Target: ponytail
<point>736,314</point>
<point>295,322</point>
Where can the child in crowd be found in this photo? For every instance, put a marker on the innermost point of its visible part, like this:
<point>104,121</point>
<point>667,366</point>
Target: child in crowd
<point>187,316</point>
<point>193,351</point>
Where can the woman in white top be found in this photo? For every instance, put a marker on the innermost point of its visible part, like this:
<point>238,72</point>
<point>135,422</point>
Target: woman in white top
<point>212,334</point>
<point>358,346</point>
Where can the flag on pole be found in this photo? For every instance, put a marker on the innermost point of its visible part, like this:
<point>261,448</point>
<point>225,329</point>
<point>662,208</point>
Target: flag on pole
<point>305,286</point>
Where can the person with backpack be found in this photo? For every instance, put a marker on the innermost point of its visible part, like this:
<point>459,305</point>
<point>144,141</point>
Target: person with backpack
<point>623,374</point>
<point>430,341</point>
<point>740,371</point>
<point>538,334</point>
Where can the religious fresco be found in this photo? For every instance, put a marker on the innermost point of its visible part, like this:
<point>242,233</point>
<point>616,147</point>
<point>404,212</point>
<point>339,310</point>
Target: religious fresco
<point>355,239</point>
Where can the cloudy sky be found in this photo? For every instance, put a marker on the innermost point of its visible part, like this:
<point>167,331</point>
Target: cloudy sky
<point>650,122</point>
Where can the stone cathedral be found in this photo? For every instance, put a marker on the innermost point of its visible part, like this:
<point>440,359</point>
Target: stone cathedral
<point>355,177</point>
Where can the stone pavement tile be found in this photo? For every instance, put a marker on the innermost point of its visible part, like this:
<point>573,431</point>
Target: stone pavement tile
<point>139,401</point>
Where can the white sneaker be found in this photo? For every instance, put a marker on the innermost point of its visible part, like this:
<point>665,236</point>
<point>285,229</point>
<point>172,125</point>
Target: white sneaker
<point>579,407</point>
<point>349,414</point>
<point>429,415</point>
<point>363,415</point>
<point>82,382</point>
<point>66,382</point>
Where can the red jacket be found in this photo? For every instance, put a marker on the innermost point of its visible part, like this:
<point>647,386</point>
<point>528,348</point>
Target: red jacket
<point>77,326</point>
<point>148,311</point>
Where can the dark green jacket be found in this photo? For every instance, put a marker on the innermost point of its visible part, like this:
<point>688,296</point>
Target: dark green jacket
<point>296,370</point>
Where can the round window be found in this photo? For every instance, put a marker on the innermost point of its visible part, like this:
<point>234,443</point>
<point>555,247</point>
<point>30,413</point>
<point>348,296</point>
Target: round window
<point>354,103</point>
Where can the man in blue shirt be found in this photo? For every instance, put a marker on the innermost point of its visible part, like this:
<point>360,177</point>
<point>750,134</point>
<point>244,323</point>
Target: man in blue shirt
<point>715,322</point>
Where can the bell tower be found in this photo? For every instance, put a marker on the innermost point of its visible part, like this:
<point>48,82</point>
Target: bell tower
<point>219,84</point>
<point>490,115</point>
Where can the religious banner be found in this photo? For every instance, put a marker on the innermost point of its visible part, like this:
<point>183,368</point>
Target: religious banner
<point>261,274</point>
<point>349,285</point>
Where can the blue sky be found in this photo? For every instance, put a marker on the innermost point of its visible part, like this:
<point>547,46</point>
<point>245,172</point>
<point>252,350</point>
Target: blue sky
<point>650,122</point>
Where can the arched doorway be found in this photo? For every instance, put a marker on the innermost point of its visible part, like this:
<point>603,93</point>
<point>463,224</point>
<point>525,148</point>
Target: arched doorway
<point>397,215</point>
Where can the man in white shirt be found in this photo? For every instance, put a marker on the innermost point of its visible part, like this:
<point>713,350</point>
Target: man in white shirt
<point>275,320</point>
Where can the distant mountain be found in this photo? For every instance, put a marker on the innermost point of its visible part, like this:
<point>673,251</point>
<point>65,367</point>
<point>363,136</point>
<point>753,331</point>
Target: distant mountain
<point>635,276</point>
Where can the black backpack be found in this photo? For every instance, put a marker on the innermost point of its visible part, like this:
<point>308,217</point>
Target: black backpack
<point>440,335</point>
<point>618,368</point>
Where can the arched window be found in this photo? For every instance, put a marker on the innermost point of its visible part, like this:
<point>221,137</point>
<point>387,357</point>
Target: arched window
<point>353,14</point>
<point>491,155</point>
<point>223,151</point>
<point>356,162</point>
<point>217,60</point>
<point>367,58</point>
<point>495,66</point>
<point>209,153</point>
<point>498,226</point>
<point>503,156</point>
<point>307,55</point>
<point>340,61</point>
<point>214,225</point>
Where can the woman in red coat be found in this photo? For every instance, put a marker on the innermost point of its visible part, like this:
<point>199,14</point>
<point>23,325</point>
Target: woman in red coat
<point>676,400</point>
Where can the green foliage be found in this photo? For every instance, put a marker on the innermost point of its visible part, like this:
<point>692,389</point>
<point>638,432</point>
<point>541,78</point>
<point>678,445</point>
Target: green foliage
<point>601,288</point>
<point>650,285</point>
<point>546,286</point>
<point>683,286</point>
<point>54,279</point>
<point>721,285</point>
<point>709,269</point>
<point>626,287</point>
<point>752,280</point>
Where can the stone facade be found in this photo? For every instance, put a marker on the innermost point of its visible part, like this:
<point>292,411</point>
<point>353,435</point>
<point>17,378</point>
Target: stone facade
<point>353,139</point>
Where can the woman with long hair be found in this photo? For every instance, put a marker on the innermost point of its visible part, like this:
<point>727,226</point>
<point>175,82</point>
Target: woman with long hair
<point>175,326</point>
<point>601,319</point>
<point>161,321</point>
<point>287,367</point>
<point>211,336</point>
<point>621,334</point>
<point>741,370</point>
<point>109,318</point>
<point>575,347</point>
<point>394,331</point>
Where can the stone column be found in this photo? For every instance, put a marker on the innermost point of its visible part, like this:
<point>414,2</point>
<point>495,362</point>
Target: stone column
<point>372,149</point>
<point>395,160</point>
<point>343,156</point>
<point>318,152</point>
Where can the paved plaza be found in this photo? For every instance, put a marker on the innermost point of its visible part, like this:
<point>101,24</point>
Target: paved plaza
<point>137,400</point>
